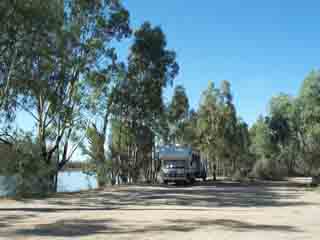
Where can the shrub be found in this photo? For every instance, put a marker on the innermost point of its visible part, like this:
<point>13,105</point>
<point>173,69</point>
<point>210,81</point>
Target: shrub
<point>24,164</point>
<point>239,176</point>
<point>32,177</point>
<point>268,169</point>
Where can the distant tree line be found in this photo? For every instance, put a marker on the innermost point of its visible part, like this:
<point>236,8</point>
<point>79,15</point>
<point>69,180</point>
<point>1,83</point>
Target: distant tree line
<point>286,141</point>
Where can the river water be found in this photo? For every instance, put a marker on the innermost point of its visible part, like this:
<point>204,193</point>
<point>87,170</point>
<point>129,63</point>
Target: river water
<point>69,181</point>
<point>73,181</point>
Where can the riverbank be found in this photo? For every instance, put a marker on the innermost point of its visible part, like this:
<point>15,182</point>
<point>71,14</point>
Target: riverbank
<point>68,181</point>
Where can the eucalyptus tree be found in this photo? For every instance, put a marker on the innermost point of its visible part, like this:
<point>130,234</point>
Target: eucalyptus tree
<point>229,141</point>
<point>263,149</point>
<point>95,151</point>
<point>138,102</point>
<point>151,68</point>
<point>26,45</point>
<point>280,107</point>
<point>287,140</point>
<point>105,93</point>
<point>178,114</point>
<point>222,136</point>
<point>190,131</point>
<point>309,102</point>
<point>209,124</point>
<point>24,29</point>
<point>71,48</point>
<point>283,127</point>
<point>241,148</point>
<point>261,136</point>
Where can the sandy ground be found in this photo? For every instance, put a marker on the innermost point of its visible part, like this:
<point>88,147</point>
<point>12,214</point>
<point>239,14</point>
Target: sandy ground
<point>205,211</point>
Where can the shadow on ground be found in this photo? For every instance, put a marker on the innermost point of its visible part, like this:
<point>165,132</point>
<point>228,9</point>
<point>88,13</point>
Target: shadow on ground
<point>202,195</point>
<point>234,225</point>
<point>6,221</point>
<point>209,196</point>
<point>79,228</point>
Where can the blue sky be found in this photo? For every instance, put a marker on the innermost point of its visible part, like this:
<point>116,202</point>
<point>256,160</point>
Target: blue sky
<point>261,47</point>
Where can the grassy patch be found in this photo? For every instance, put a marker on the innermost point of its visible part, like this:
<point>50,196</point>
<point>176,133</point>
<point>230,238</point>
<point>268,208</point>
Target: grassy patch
<point>312,189</point>
<point>32,196</point>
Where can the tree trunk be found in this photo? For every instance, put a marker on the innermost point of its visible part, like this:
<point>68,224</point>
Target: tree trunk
<point>49,182</point>
<point>215,170</point>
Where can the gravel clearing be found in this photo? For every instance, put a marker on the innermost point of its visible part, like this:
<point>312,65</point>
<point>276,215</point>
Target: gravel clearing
<point>280,210</point>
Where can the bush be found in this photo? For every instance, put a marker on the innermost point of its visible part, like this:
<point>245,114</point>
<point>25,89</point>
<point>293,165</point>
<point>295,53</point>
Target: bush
<point>268,169</point>
<point>315,181</point>
<point>24,164</point>
<point>33,177</point>
<point>7,186</point>
<point>239,176</point>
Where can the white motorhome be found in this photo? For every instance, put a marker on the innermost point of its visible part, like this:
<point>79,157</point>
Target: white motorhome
<point>181,164</point>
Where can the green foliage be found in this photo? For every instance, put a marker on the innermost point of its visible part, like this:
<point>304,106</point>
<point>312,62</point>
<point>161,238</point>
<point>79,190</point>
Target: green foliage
<point>23,162</point>
<point>177,113</point>
<point>24,34</point>
<point>32,173</point>
<point>52,56</point>
<point>209,117</point>
<point>222,136</point>
<point>268,164</point>
<point>310,120</point>
<point>137,103</point>
<point>290,133</point>
<point>179,106</point>
<point>268,169</point>
<point>188,133</point>
<point>262,144</point>
<point>97,162</point>
<point>8,163</point>
<point>151,67</point>
<point>279,123</point>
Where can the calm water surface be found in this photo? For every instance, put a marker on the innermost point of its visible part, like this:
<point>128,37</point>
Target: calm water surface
<point>73,181</point>
<point>69,181</point>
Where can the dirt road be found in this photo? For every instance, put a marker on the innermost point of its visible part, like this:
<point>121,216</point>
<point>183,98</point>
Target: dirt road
<point>220,211</point>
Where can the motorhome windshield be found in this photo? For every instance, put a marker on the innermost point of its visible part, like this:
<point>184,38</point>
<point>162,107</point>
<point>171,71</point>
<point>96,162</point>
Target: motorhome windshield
<point>174,164</point>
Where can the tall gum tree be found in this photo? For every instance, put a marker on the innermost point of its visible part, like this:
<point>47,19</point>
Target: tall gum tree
<point>178,111</point>
<point>73,46</point>
<point>139,98</point>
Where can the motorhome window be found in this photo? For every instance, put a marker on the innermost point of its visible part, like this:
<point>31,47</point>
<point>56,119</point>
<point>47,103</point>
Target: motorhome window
<point>195,157</point>
<point>174,164</point>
